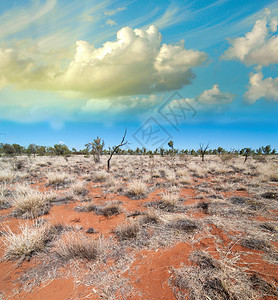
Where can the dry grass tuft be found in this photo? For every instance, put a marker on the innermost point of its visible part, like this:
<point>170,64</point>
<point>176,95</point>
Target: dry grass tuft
<point>32,204</point>
<point>87,207</point>
<point>26,243</point>
<point>109,209</point>
<point>55,178</point>
<point>79,188</point>
<point>7,175</point>
<point>150,217</point>
<point>211,279</point>
<point>253,243</point>
<point>185,225</point>
<point>137,189</point>
<point>4,197</point>
<point>77,245</point>
<point>204,206</point>
<point>263,287</point>
<point>127,231</point>
<point>101,176</point>
<point>170,199</point>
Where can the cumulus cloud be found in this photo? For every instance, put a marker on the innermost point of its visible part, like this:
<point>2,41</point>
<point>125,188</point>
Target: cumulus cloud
<point>214,97</point>
<point>209,100</point>
<point>262,88</point>
<point>136,63</point>
<point>259,46</point>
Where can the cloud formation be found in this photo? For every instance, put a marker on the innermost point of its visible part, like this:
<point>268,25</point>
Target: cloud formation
<point>259,46</point>
<point>19,18</point>
<point>32,106</point>
<point>136,63</point>
<point>214,97</point>
<point>111,22</point>
<point>262,88</point>
<point>114,11</point>
<point>211,99</point>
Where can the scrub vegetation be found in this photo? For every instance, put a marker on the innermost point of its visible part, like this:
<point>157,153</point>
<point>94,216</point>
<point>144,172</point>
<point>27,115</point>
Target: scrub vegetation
<point>187,225</point>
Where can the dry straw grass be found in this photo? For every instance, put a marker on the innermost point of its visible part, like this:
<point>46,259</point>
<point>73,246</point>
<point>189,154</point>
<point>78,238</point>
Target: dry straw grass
<point>79,188</point>
<point>7,175</point>
<point>31,203</point>
<point>211,279</point>
<point>169,198</point>
<point>77,245</point>
<point>26,243</point>
<point>137,189</point>
<point>127,231</point>
<point>4,196</point>
<point>101,175</point>
<point>55,178</point>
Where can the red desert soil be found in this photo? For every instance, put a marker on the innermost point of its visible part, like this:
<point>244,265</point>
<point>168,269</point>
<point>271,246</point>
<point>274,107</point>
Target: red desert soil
<point>150,272</point>
<point>59,289</point>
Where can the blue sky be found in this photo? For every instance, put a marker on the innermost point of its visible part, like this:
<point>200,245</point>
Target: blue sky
<point>190,71</point>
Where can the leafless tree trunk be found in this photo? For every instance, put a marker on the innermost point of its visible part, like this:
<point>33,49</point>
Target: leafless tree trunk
<point>115,148</point>
<point>203,150</point>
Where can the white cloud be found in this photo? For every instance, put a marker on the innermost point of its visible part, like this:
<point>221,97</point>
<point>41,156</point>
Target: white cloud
<point>136,63</point>
<point>114,11</point>
<point>259,46</point>
<point>213,100</point>
<point>214,97</point>
<point>173,15</point>
<point>19,18</point>
<point>262,88</point>
<point>111,22</point>
<point>120,105</point>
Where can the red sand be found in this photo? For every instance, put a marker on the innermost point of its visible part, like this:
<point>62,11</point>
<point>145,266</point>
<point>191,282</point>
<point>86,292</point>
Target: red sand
<point>151,270</point>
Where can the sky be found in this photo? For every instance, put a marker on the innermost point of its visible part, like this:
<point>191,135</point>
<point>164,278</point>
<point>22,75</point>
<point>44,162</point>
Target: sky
<point>189,71</point>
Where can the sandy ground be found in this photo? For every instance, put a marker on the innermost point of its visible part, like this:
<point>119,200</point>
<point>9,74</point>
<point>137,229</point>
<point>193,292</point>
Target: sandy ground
<point>235,225</point>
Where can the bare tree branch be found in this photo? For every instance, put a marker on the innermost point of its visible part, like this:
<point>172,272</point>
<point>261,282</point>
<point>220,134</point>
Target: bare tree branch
<point>203,150</point>
<point>115,148</point>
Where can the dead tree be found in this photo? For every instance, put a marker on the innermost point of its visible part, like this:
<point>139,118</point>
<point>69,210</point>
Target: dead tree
<point>115,149</point>
<point>203,150</point>
<point>246,153</point>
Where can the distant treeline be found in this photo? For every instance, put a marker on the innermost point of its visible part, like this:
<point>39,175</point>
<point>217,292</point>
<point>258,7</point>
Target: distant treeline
<point>63,150</point>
